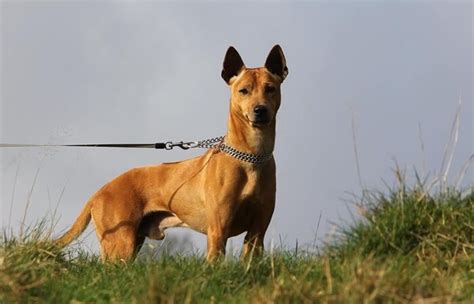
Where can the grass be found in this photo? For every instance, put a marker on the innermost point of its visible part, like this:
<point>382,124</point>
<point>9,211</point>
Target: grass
<point>409,246</point>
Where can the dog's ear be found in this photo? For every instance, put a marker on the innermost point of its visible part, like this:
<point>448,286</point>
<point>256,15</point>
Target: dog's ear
<point>276,62</point>
<point>233,64</point>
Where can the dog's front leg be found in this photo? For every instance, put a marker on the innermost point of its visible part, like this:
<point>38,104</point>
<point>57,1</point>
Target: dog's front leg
<point>253,242</point>
<point>216,242</point>
<point>220,220</point>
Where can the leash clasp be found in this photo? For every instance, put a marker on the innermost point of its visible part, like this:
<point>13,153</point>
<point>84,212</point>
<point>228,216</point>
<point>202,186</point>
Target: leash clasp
<point>183,145</point>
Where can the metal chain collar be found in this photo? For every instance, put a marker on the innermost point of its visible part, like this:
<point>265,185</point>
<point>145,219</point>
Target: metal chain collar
<point>218,144</point>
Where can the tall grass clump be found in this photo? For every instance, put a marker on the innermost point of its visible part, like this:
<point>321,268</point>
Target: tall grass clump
<point>412,222</point>
<point>409,244</point>
<point>27,262</point>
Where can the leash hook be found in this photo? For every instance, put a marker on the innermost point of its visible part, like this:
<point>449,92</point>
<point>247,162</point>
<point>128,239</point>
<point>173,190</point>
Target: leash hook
<point>183,145</point>
<point>169,145</point>
<point>189,144</point>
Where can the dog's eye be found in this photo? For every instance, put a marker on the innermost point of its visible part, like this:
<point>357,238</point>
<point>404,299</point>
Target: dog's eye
<point>244,91</point>
<point>270,89</point>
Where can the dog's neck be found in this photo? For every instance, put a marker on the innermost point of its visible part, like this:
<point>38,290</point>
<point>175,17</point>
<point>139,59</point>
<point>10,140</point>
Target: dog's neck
<point>246,138</point>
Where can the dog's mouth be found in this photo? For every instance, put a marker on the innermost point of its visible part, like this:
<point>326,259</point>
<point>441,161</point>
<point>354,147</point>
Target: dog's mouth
<point>259,122</point>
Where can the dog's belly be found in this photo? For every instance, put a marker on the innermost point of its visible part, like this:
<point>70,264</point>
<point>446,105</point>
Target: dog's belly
<point>154,224</point>
<point>189,214</point>
<point>198,221</point>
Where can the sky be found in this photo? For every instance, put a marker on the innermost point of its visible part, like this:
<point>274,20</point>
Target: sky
<point>385,77</point>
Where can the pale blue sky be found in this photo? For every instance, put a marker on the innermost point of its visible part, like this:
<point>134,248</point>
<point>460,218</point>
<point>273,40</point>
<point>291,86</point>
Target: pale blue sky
<point>124,71</point>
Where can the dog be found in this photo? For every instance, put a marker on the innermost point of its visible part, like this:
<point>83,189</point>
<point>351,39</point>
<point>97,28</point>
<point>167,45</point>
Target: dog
<point>228,190</point>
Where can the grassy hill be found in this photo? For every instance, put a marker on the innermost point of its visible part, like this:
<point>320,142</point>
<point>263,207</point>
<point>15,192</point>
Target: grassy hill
<point>409,246</point>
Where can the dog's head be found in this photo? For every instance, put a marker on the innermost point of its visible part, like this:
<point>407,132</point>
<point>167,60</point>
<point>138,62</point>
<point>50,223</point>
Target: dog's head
<point>255,91</point>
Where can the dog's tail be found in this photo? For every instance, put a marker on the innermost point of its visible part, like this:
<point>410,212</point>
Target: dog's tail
<point>77,228</point>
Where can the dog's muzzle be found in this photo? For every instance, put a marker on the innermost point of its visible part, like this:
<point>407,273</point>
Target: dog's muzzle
<point>260,115</point>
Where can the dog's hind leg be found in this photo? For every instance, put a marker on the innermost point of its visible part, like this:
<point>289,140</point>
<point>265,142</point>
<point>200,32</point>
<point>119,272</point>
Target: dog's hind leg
<point>120,243</point>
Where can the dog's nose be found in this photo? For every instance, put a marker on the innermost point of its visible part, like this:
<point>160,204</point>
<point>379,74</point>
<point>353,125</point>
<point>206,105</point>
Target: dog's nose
<point>260,110</point>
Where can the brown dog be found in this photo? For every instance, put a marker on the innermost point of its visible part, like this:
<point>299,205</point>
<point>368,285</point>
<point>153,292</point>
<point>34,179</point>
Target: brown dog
<point>228,190</point>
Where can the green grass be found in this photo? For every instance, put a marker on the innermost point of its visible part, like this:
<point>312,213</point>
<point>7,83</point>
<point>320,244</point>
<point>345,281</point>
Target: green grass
<point>408,246</point>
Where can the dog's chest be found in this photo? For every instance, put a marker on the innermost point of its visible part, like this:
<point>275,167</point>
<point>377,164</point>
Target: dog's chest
<point>253,186</point>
